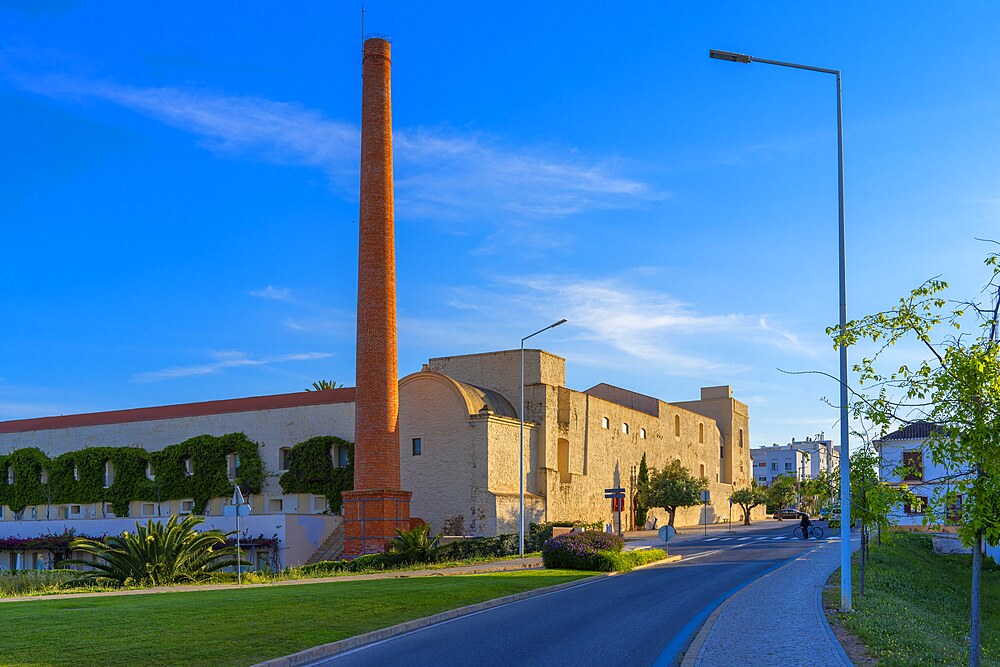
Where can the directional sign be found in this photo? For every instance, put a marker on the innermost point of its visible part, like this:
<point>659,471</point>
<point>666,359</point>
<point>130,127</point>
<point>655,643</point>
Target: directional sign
<point>236,510</point>
<point>706,497</point>
<point>614,495</point>
<point>617,489</point>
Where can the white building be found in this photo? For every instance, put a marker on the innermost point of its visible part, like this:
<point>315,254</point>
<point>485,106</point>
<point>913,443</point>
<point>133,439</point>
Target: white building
<point>903,459</point>
<point>803,459</point>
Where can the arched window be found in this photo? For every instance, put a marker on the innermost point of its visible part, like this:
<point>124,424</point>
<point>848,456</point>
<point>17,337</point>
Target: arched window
<point>677,426</point>
<point>109,474</point>
<point>624,428</point>
<point>642,433</point>
<point>701,433</point>
<point>605,423</point>
<point>150,473</point>
<point>188,467</point>
<point>741,438</point>
<point>702,471</point>
<point>283,458</point>
<point>43,476</point>
<point>564,476</point>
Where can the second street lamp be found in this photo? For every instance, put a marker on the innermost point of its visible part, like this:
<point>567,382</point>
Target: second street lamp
<point>520,476</point>
<point>845,450</point>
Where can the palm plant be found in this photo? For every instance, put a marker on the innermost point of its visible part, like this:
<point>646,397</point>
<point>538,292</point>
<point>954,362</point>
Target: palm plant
<point>155,555</point>
<point>414,545</point>
<point>323,385</point>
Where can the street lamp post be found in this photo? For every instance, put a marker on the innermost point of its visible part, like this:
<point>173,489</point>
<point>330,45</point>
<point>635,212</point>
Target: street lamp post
<point>845,478</point>
<point>520,476</point>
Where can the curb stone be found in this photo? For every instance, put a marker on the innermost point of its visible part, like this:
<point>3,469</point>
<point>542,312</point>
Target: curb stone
<point>315,653</point>
<point>327,650</point>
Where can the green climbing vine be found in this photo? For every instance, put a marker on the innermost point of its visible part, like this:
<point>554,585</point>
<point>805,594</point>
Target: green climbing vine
<point>196,468</point>
<point>311,469</point>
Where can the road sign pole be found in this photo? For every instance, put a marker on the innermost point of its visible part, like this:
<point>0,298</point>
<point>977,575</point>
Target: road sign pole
<point>239,560</point>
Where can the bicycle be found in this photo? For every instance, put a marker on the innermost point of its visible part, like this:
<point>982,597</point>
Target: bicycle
<point>814,531</point>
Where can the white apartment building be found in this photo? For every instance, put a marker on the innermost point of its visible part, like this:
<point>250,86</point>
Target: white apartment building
<point>803,459</point>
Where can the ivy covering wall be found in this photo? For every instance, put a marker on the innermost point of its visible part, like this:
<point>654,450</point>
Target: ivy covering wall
<point>78,477</point>
<point>311,469</point>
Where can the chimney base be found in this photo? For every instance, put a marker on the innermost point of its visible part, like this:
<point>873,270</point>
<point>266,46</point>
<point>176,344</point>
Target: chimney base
<point>371,518</point>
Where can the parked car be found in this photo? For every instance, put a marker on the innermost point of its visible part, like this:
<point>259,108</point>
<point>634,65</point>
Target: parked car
<point>789,513</point>
<point>824,513</point>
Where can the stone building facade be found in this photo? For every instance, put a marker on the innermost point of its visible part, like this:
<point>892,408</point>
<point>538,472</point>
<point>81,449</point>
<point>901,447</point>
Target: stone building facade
<point>459,431</point>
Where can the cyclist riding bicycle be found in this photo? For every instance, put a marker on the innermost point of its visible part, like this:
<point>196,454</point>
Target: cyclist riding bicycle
<point>804,523</point>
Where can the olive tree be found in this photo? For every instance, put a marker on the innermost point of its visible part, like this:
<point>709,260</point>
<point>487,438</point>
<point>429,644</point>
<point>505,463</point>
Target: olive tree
<point>781,492</point>
<point>956,386</point>
<point>672,488</point>
<point>749,497</point>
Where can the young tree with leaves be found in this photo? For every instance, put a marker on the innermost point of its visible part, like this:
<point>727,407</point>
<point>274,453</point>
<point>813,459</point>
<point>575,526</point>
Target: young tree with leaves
<point>748,498</point>
<point>781,492</point>
<point>672,488</point>
<point>956,386</point>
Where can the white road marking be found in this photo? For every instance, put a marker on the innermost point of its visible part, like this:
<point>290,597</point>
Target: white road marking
<point>698,555</point>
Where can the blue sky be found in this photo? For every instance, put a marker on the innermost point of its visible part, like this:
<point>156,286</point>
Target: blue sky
<point>178,194</point>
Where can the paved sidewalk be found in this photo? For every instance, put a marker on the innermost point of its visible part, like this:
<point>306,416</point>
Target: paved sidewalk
<point>776,620</point>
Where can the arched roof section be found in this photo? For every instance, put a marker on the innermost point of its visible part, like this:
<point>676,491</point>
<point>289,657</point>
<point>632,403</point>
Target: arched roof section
<point>476,398</point>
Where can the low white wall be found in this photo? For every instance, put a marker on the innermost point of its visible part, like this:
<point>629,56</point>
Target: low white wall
<point>299,535</point>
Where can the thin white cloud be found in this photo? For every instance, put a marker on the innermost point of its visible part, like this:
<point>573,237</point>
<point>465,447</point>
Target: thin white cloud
<point>440,174</point>
<point>223,361</point>
<point>789,341</point>
<point>273,293</point>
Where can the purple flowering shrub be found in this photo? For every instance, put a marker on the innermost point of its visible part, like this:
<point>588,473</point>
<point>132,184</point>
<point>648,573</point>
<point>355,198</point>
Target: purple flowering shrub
<point>581,551</point>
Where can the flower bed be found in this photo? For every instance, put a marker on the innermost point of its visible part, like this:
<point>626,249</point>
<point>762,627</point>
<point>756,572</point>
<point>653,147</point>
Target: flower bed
<point>581,551</point>
<point>593,550</point>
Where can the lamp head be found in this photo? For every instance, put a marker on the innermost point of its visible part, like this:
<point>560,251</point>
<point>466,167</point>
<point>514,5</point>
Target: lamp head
<point>730,56</point>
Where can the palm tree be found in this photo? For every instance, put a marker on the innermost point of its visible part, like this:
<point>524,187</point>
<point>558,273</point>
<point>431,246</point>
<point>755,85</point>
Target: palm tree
<point>156,554</point>
<point>323,385</point>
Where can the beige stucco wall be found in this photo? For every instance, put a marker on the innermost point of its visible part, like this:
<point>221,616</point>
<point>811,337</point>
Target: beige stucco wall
<point>500,371</point>
<point>558,413</point>
<point>271,429</point>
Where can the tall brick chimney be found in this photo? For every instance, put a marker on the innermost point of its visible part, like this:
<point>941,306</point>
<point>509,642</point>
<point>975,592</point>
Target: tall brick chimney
<point>376,506</point>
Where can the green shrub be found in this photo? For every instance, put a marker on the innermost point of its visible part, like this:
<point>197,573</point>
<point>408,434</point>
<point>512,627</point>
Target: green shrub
<point>624,561</point>
<point>156,554</point>
<point>311,470</point>
<point>78,476</point>
<point>414,545</point>
<point>580,551</point>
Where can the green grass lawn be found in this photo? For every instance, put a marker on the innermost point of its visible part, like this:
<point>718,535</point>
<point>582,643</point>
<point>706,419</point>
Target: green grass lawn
<point>236,627</point>
<point>916,605</point>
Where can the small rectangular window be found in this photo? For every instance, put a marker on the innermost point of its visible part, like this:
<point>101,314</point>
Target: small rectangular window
<point>275,505</point>
<point>788,465</point>
<point>417,446</point>
<point>187,506</point>
<point>343,458</point>
<point>147,509</point>
<point>774,465</point>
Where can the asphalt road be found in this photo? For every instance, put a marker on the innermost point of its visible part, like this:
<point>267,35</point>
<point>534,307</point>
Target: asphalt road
<point>641,618</point>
